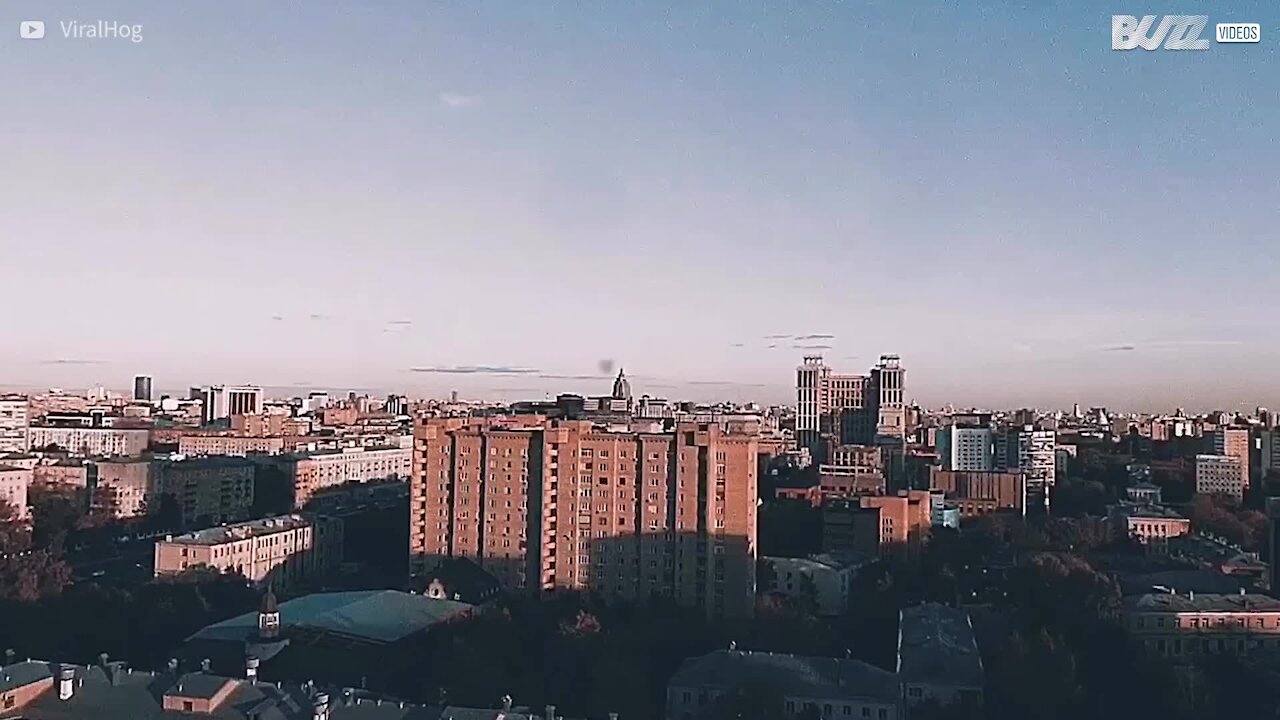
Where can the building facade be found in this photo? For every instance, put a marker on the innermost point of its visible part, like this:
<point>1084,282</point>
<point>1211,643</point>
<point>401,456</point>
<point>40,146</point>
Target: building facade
<point>313,472</point>
<point>200,444</point>
<point>1220,474</point>
<point>279,550</point>
<point>123,487</point>
<point>14,484</point>
<point>826,580</point>
<point>978,493</point>
<point>877,525</point>
<point>222,401</point>
<point>1233,442</point>
<point>1173,625</point>
<point>555,505</point>
<point>1033,453</point>
<point>15,418</point>
<point>966,449</point>
<point>92,441</point>
<point>1150,525</point>
<point>207,490</point>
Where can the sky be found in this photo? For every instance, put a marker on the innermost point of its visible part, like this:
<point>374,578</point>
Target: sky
<point>515,198</point>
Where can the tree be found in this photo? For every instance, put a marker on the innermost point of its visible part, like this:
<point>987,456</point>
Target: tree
<point>27,572</point>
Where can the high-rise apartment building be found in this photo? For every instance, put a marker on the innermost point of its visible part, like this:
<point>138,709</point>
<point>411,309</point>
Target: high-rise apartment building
<point>223,401</point>
<point>565,505</point>
<point>15,417</point>
<point>1232,442</point>
<point>142,388</point>
<point>851,409</point>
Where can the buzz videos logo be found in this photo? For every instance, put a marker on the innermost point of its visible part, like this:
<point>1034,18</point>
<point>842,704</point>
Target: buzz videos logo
<point>1176,32</point>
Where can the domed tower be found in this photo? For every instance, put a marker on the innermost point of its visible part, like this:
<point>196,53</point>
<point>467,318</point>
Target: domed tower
<point>621,387</point>
<point>269,616</point>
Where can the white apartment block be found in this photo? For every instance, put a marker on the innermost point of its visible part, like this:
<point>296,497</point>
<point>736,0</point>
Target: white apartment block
<point>91,441</point>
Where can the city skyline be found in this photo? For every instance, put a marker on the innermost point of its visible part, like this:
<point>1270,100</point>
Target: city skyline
<point>416,199</point>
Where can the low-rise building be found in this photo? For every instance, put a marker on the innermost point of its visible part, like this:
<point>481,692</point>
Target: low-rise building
<point>1144,492</point>
<point>92,441</point>
<point>201,444</point>
<point>14,483</point>
<point>1150,525</point>
<point>207,490</point>
<point>938,658</point>
<point>1174,625</point>
<point>64,473</point>
<point>279,550</point>
<point>312,472</point>
<point>823,579</point>
<point>831,687</point>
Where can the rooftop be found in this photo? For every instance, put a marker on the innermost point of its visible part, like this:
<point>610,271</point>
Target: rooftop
<point>1168,602</point>
<point>377,615</point>
<point>1146,510</point>
<point>936,644</point>
<point>240,531</point>
<point>793,675</point>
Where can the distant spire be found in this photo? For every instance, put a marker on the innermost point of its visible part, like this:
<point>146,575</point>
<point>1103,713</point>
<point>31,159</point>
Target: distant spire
<point>621,387</point>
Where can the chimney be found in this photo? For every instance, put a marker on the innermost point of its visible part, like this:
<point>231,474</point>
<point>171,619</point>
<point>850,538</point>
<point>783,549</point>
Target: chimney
<point>251,668</point>
<point>103,658</point>
<point>506,703</point>
<point>204,665</point>
<point>10,656</point>
<point>613,716</point>
<point>550,713</point>
<point>320,708</point>
<point>173,665</point>
<point>1191,595</point>
<point>66,682</point>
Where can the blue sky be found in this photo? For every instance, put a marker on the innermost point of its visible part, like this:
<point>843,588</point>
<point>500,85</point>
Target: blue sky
<point>284,193</point>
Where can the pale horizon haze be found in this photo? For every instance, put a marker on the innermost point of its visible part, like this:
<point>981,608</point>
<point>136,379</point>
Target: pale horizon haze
<point>495,197</point>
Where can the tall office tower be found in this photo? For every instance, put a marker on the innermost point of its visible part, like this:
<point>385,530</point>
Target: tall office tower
<point>564,505</point>
<point>1232,442</point>
<point>1033,453</point>
<point>397,405</point>
<point>884,396</point>
<point>223,401</point>
<point>967,449</point>
<point>849,409</point>
<point>142,388</point>
<point>15,418</point>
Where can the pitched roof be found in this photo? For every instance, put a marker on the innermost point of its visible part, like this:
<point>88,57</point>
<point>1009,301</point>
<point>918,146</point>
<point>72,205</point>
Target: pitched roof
<point>377,615</point>
<point>794,675</point>
<point>936,645</point>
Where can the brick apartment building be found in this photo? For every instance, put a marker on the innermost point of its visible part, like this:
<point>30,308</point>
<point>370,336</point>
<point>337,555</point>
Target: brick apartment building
<point>280,550</point>
<point>980,492</point>
<point>551,505</point>
<point>1220,474</point>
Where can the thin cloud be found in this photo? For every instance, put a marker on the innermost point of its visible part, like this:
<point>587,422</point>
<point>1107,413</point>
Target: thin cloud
<point>786,336</point>
<point>73,361</point>
<point>816,336</point>
<point>318,317</point>
<point>1171,345</point>
<point>457,100</point>
<point>738,345</point>
<point>475,370</point>
<point>277,318</point>
<point>810,347</point>
<point>722,383</point>
<point>400,323</point>
<point>773,346</point>
<point>550,376</point>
